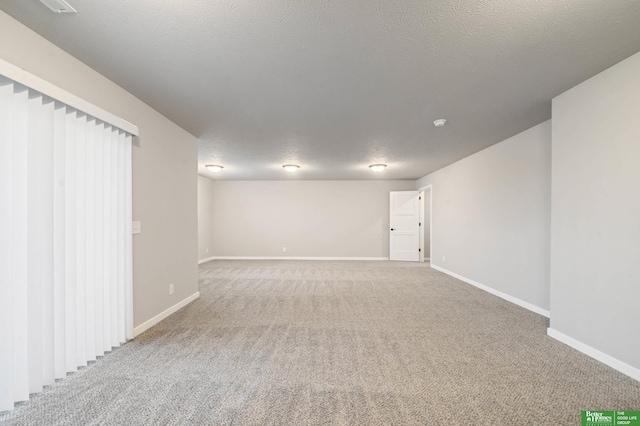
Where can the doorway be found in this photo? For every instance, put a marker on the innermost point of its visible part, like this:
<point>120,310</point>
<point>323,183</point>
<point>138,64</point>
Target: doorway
<point>404,232</point>
<point>426,212</point>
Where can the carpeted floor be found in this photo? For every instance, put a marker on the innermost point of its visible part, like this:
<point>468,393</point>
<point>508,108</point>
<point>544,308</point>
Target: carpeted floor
<point>330,342</point>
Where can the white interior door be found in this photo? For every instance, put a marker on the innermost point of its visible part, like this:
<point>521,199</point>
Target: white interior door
<point>421,225</point>
<point>404,235</point>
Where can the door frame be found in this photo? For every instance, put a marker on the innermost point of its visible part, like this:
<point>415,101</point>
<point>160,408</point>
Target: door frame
<point>422,191</point>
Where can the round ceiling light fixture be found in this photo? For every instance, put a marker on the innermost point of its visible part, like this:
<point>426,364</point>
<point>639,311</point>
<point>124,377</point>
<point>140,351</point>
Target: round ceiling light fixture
<point>213,168</point>
<point>440,122</point>
<point>290,167</point>
<point>378,167</point>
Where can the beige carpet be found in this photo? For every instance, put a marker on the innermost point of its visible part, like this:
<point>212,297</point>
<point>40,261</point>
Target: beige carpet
<point>329,342</point>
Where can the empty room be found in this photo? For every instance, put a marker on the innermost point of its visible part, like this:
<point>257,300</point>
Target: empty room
<point>319,212</point>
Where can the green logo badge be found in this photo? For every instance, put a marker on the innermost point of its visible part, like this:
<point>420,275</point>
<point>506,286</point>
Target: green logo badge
<point>610,418</point>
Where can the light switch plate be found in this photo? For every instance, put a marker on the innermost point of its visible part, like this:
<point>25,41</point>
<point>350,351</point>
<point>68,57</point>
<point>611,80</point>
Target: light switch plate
<point>136,229</point>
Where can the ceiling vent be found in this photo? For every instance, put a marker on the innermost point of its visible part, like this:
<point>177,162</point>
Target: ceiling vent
<point>58,6</point>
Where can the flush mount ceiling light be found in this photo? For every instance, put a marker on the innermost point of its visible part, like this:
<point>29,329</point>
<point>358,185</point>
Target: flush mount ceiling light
<point>58,6</point>
<point>440,122</point>
<point>291,167</point>
<point>378,167</point>
<point>214,168</point>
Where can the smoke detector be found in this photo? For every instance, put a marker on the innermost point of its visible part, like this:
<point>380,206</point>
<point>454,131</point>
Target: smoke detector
<point>58,6</point>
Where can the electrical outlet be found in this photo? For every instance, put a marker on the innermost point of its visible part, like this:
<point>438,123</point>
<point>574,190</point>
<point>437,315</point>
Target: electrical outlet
<point>284,249</point>
<point>443,259</point>
<point>171,289</point>
<point>206,250</point>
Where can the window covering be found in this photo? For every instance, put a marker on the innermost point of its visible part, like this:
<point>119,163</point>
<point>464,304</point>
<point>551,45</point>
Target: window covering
<point>65,240</point>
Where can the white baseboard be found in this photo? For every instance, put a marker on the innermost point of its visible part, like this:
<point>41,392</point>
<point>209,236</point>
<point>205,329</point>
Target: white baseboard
<point>294,258</point>
<point>612,362</point>
<point>175,308</point>
<point>533,308</point>
<point>208,259</point>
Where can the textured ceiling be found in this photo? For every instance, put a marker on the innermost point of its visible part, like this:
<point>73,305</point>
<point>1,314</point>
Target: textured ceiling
<point>337,85</point>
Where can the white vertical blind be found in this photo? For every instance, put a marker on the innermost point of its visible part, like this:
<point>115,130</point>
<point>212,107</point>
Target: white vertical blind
<point>65,240</point>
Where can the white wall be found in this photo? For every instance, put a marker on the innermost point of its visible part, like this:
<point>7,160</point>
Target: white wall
<point>206,204</point>
<point>491,216</point>
<point>164,170</point>
<point>309,218</point>
<point>595,242</point>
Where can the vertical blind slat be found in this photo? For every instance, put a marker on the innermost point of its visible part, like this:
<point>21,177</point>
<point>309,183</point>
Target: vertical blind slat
<point>107,234</point>
<point>128,232</point>
<point>99,239</point>
<point>59,288</point>
<point>81,241</point>
<point>113,217</point>
<point>89,188</point>
<point>70,240</point>
<point>46,217</point>
<point>36,118</point>
<point>121,237</point>
<point>19,224</point>
<point>6,252</point>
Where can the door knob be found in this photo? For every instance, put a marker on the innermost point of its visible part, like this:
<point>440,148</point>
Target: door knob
<point>392,229</point>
